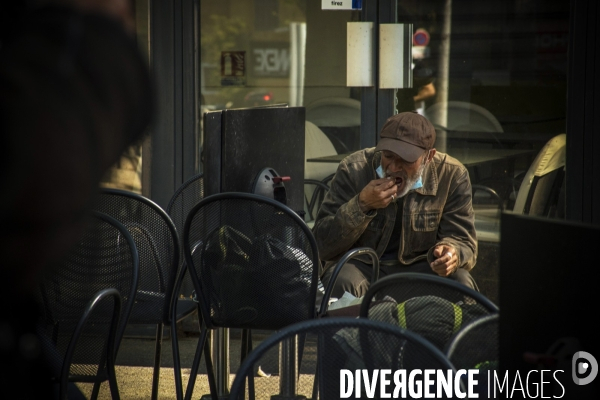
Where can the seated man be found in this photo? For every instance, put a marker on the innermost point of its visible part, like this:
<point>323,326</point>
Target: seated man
<point>409,203</point>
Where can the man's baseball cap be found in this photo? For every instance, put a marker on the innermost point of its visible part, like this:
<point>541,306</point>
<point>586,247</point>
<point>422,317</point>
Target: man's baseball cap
<point>408,134</point>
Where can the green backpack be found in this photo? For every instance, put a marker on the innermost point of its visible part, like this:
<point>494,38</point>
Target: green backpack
<point>434,318</point>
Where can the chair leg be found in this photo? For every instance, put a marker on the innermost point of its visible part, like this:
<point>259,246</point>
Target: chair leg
<point>245,344</point>
<point>112,382</point>
<point>244,350</point>
<point>176,362</point>
<point>98,382</point>
<point>301,342</point>
<point>157,351</point>
<point>108,361</point>
<point>315,393</point>
<point>202,347</point>
<point>212,382</point>
<point>96,390</point>
<point>251,389</point>
<point>195,364</point>
<point>63,389</point>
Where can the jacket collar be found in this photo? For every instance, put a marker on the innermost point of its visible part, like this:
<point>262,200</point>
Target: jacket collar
<point>430,179</point>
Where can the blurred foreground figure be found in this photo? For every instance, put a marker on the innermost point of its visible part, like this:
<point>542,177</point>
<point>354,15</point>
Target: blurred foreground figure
<point>74,93</point>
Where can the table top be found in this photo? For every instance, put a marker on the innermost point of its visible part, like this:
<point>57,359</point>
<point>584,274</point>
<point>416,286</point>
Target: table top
<point>501,138</point>
<point>469,157</point>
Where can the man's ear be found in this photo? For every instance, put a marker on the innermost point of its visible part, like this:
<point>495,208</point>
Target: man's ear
<point>431,154</point>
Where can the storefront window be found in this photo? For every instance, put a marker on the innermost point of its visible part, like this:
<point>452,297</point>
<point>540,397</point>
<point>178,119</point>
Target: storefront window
<point>261,53</point>
<point>491,76</point>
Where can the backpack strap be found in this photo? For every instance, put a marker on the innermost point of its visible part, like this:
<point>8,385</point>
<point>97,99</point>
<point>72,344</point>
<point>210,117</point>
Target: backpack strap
<point>402,315</point>
<point>457,317</point>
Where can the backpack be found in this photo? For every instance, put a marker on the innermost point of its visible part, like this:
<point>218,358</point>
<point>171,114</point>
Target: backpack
<point>242,274</point>
<point>434,318</point>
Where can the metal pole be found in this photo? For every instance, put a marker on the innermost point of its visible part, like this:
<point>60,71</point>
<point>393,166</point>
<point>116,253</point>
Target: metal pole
<point>288,370</point>
<point>221,361</point>
<point>443,75</point>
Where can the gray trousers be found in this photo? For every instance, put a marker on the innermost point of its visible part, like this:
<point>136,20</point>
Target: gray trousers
<point>355,276</point>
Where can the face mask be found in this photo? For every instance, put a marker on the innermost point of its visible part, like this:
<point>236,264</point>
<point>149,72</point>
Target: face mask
<point>418,184</point>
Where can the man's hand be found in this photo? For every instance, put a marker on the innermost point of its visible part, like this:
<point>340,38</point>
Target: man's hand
<point>377,194</point>
<point>446,261</point>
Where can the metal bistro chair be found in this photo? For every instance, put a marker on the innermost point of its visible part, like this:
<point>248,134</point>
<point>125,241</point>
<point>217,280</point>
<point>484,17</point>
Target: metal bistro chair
<point>336,344</point>
<point>190,193</point>
<point>430,305</point>
<point>87,302</point>
<point>357,252</point>
<point>541,191</point>
<point>312,204</point>
<point>317,144</point>
<point>255,265</point>
<point>157,242</point>
<point>477,346</point>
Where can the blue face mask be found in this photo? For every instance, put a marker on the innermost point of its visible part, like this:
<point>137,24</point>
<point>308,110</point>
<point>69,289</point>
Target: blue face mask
<point>418,184</point>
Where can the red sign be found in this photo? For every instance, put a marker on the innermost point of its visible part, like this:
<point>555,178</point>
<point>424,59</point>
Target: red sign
<point>421,37</point>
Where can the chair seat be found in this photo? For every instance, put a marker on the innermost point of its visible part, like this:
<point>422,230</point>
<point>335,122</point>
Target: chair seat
<point>146,304</point>
<point>184,308</point>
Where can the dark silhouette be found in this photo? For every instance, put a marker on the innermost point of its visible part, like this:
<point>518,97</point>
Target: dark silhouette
<point>74,93</point>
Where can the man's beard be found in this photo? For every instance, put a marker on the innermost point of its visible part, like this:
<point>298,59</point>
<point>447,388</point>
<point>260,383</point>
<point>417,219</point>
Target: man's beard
<point>409,181</point>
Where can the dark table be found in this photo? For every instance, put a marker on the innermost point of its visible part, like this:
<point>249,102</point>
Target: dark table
<point>505,140</point>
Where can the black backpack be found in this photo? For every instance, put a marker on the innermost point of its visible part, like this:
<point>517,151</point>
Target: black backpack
<point>244,274</point>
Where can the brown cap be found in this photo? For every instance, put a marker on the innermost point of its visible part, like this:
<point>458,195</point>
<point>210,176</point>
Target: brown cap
<point>407,134</point>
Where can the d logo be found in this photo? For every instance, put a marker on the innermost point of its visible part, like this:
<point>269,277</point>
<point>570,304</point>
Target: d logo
<point>584,363</point>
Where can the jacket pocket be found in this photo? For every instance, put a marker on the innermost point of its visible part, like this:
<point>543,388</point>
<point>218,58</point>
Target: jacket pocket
<point>425,222</point>
<point>423,234</point>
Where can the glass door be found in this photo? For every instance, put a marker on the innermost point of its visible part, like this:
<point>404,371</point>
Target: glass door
<point>492,77</point>
<point>260,53</point>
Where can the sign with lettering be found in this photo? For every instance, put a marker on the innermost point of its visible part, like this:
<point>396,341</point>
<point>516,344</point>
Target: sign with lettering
<point>341,4</point>
<point>233,68</point>
<point>270,59</point>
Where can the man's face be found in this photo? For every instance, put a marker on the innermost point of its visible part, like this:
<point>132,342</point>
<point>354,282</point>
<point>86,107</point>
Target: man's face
<point>403,172</point>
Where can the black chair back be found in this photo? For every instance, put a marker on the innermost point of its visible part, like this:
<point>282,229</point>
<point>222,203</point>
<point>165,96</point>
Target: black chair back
<point>190,193</point>
<point>157,243</point>
<point>255,262</point>
<point>333,345</point>
<point>430,305</point>
<point>104,258</point>
<point>476,345</point>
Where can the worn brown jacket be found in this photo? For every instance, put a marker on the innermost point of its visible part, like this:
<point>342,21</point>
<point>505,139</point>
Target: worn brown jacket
<point>440,212</point>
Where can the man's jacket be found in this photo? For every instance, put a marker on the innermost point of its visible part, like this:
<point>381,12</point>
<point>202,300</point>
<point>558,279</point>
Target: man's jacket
<point>440,212</point>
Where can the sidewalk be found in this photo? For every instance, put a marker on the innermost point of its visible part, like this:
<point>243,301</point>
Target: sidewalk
<point>136,358</point>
